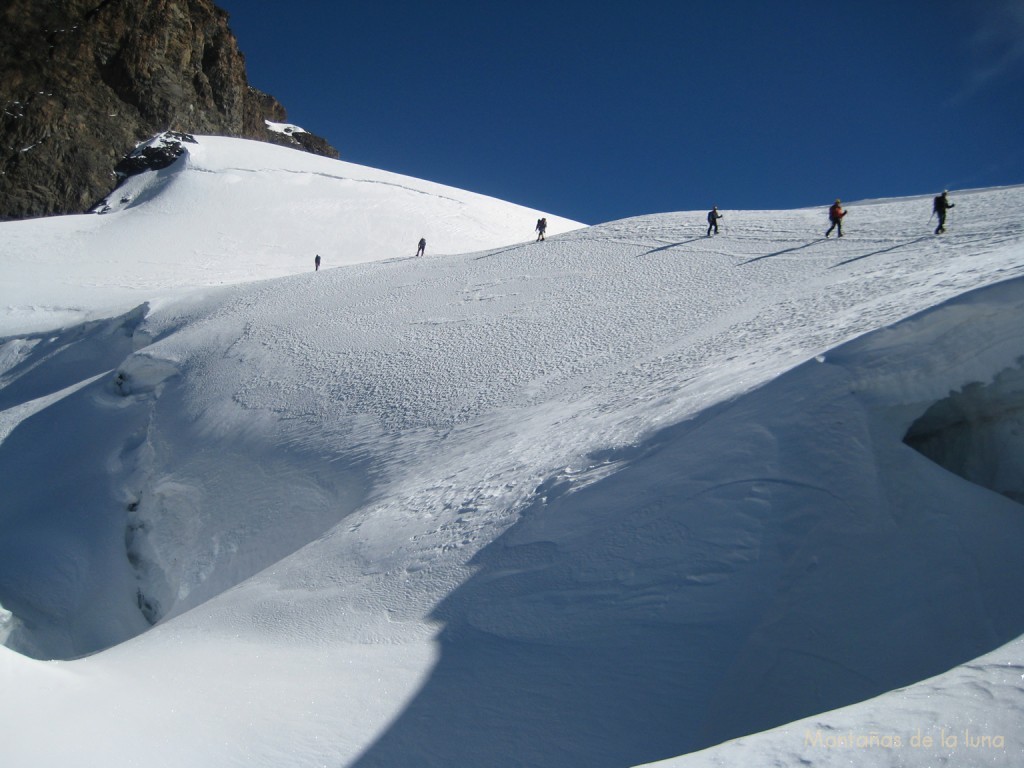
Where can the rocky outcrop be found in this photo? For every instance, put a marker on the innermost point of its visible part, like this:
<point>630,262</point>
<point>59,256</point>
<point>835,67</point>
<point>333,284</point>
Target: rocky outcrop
<point>153,155</point>
<point>86,80</point>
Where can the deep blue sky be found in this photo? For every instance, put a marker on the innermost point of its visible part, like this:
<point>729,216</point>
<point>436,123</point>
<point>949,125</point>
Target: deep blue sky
<point>597,111</point>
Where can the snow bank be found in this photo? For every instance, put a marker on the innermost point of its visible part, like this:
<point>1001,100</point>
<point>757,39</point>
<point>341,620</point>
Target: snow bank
<point>232,211</point>
<point>774,558</point>
<point>953,587</point>
<point>595,501</point>
<point>968,716</point>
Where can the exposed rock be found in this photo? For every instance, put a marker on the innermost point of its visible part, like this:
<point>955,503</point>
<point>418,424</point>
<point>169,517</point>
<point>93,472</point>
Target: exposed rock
<point>154,155</point>
<point>85,81</point>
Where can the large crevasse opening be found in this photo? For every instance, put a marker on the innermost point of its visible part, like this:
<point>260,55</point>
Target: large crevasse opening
<point>978,433</point>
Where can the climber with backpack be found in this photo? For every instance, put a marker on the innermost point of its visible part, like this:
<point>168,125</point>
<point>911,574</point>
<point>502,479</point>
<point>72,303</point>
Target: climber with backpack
<point>835,215</point>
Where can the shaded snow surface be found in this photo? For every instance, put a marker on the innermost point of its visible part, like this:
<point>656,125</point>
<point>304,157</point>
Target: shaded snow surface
<point>598,501</point>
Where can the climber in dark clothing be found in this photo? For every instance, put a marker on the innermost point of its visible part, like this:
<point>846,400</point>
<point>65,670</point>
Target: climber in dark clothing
<point>940,205</point>
<point>423,247</point>
<point>713,217</point>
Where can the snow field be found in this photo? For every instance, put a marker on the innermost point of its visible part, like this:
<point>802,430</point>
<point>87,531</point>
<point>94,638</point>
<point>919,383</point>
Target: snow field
<point>231,211</point>
<point>596,501</point>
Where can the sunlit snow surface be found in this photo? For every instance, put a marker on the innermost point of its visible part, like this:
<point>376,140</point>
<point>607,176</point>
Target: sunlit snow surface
<point>596,501</point>
<point>234,211</point>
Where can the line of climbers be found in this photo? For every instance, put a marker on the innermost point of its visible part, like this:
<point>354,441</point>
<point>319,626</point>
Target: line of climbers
<point>836,213</point>
<point>940,205</point>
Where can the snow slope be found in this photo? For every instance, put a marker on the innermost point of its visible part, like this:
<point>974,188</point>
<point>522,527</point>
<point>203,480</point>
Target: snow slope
<point>597,501</point>
<point>232,211</point>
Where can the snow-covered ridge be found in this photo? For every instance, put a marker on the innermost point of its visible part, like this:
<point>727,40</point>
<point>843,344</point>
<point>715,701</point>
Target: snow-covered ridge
<point>600,500</point>
<point>232,211</point>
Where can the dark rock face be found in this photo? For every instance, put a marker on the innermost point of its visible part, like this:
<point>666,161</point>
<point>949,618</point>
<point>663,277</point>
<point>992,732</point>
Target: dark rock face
<point>84,81</point>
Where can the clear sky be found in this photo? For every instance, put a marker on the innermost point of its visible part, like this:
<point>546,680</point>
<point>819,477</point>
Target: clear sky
<point>601,110</point>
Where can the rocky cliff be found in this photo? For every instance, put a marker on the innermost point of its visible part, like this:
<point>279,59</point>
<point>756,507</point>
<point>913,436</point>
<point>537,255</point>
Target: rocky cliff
<point>84,81</point>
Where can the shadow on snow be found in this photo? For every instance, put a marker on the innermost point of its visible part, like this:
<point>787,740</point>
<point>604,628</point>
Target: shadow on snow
<point>780,253</point>
<point>735,573</point>
<point>884,250</point>
<point>670,246</point>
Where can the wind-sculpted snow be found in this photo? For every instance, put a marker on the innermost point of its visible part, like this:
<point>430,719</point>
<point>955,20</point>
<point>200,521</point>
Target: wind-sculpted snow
<point>775,557</point>
<point>596,501</point>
